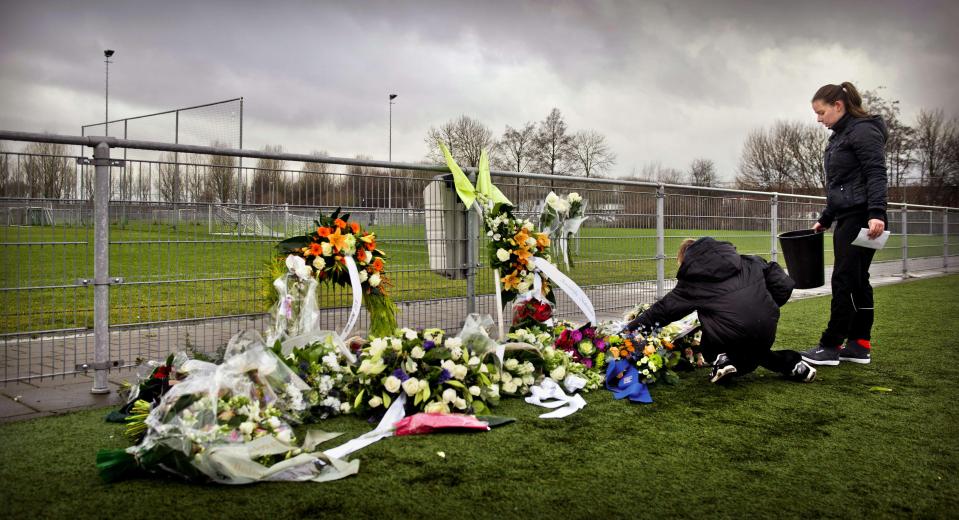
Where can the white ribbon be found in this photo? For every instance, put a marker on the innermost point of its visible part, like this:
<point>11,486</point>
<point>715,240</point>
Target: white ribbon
<point>383,429</point>
<point>357,294</point>
<point>548,394</point>
<point>568,286</point>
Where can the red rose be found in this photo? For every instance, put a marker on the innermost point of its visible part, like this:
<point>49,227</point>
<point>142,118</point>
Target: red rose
<point>162,372</point>
<point>543,312</point>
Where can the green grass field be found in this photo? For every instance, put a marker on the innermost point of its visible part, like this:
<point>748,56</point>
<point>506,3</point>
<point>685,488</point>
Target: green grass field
<point>189,273</point>
<point>760,448</point>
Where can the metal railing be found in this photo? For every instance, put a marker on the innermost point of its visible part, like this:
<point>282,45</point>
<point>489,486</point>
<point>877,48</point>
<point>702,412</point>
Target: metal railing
<point>173,255</point>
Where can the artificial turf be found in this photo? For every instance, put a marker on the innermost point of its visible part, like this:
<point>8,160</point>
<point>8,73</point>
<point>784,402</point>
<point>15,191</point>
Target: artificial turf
<point>863,441</point>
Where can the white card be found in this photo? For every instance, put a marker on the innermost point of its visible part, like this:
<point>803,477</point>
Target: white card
<point>863,239</point>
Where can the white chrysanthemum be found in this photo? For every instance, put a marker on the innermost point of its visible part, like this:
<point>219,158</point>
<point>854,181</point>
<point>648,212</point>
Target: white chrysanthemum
<point>364,275</point>
<point>375,280</point>
<point>574,197</point>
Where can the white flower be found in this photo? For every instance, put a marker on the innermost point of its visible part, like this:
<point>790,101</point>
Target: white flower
<point>528,379</point>
<point>574,197</point>
<point>449,395</point>
<point>493,390</point>
<point>511,364</point>
<point>528,225</point>
<point>459,372</point>
<point>375,280</point>
<point>247,427</point>
<point>371,366</point>
<point>645,372</point>
<point>522,287</point>
<point>423,385</point>
<point>452,343</point>
<point>558,373</point>
<point>377,346</point>
<point>460,403</point>
<point>502,255</point>
<point>273,422</point>
<point>350,243</point>
<point>344,407</point>
<point>530,242</point>
<point>364,275</point>
<point>367,256</point>
<point>417,352</point>
<point>411,386</point>
<point>437,407</point>
<point>284,436</point>
<point>506,377</point>
<point>319,262</point>
<point>497,237</point>
<point>473,361</point>
<point>375,401</point>
<point>331,361</point>
<point>552,199</point>
<point>483,368</point>
<point>489,233</point>
<point>392,384</point>
<point>326,248</point>
<point>510,387</point>
<point>397,344</point>
<point>456,352</point>
<point>409,333</point>
<point>475,391</point>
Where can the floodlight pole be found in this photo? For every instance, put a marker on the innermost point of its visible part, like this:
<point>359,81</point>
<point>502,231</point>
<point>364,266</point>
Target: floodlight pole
<point>389,182</point>
<point>106,100</point>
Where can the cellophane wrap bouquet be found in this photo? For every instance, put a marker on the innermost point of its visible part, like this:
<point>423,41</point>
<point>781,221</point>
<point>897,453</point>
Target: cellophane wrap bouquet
<point>438,374</point>
<point>322,360</point>
<point>324,250</point>
<point>513,243</point>
<point>561,217</point>
<point>230,423</point>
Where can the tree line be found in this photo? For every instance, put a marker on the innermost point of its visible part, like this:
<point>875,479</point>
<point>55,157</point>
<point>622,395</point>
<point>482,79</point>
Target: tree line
<point>922,158</point>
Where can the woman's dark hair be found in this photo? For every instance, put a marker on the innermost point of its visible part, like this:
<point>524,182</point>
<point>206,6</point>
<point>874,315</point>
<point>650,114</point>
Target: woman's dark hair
<point>845,92</point>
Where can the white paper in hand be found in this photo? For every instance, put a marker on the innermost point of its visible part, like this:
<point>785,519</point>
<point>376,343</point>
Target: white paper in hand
<point>863,239</point>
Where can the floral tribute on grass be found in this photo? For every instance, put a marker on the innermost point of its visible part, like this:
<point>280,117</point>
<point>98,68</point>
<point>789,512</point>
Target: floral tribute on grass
<point>324,252</point>
<point>561,218</point>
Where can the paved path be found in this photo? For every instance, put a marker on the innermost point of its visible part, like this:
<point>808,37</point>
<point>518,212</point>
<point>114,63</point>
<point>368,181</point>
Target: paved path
<point>52,396</point>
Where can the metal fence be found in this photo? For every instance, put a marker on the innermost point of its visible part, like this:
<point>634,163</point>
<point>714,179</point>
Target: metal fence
<point>173,255</point>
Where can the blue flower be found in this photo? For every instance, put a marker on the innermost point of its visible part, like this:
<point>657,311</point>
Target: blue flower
<point>427,345</point>
<point>400,374</point>
<point>444,376</point>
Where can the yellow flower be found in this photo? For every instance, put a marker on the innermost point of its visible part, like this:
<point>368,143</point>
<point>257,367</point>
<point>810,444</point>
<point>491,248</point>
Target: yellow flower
<point>510,281</point>
<point>338,240</point>
<point>542,240</point>
<point>649,350</point>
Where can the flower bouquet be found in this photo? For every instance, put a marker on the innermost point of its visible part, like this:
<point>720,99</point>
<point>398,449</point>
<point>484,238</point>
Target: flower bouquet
<point>325,250</point>
<point>437,374</point>
<point>229,423</point>
<point>513,243</point>
<point>323,367</point>
<point>561,217</point>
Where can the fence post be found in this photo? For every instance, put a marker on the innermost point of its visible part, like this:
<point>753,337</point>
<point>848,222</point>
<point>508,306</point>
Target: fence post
<point>101,268</point>
<point>660,241</point>
<point>905,241</point>
<point>945,240</point>
<point>773,227</point>
<point>472,231</point>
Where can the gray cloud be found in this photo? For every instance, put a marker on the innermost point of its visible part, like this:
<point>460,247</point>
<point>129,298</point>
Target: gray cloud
<point>664,81</point>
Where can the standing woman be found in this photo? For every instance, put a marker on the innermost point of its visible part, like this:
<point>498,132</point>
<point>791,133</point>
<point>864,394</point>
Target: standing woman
<point>855,167</point>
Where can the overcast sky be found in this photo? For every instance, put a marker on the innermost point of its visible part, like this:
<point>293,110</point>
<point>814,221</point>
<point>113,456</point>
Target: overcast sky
<point>665,82</point>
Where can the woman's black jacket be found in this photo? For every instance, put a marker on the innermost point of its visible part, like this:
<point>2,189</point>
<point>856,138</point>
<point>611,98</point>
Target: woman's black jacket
<point>737,297</point>
<point>855,166</point>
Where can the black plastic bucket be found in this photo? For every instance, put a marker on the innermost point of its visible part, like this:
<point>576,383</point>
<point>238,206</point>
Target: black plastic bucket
<point>803,251</point>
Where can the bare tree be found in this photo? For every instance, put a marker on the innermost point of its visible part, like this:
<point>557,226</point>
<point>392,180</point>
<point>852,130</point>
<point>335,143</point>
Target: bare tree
<point>465,137</point>
<point>553,145</point>
<point>269,184</point>
<point>806,143</point>
<point>590,153</point>
<point>47,171</point>
<point>516,148</point>
<point>316,184</point>
<point>221,182</point>
<point>933,134</point>
<point>788,155</point>
<point>702,172</point>
<point>900,145</point>
<point>6,176</point>
<point>655,172</point>
<point>170,179</point>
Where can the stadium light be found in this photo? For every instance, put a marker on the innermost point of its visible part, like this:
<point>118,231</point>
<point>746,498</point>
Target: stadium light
<point>392,97</point>
<point>107,54</point>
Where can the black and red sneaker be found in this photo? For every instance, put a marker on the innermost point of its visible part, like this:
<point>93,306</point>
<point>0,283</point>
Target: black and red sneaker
<point>856,352</point>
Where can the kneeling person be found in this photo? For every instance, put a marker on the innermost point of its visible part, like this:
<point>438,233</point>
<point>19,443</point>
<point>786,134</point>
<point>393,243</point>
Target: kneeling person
<point>737,298</point>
